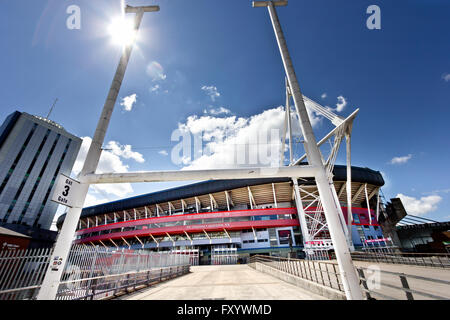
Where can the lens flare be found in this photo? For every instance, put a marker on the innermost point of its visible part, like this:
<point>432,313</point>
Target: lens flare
<point>122,31</point>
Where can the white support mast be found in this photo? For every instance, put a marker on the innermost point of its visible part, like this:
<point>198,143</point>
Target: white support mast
<point>349,276</point>
<point>52,278</point>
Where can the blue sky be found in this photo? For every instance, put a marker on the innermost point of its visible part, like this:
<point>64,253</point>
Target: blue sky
<point>398,76</point>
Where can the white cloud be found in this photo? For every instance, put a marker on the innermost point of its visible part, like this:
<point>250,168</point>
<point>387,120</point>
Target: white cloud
<point>92,200</point>
<point>128,102</point>
<point>342,103</point>
<point>124,151</point>
<point>212,92</point>
<point>110,161</point>
<point>420,206</point>
<point>155,88</point>
<point>446,77</point>
<point>232,141</point>
<point>400,160</point>
<point>217,111</point>
<point>163,152</point>
<point>324,95</point>
<point>438,191</point>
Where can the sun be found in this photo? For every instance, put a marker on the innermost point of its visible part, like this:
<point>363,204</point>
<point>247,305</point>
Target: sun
<point>122,31</point>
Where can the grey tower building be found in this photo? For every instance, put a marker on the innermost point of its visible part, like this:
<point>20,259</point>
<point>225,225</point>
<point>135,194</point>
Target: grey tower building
<point>33,151</point>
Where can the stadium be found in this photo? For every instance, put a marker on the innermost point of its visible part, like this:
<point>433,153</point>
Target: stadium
<point>226,221</point>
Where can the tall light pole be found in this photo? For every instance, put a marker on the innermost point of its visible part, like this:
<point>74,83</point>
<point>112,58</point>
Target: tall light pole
<point>350,279</point>
<point>52,278</point>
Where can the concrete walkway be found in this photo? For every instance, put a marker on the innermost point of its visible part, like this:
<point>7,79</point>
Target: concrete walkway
<point>230,282</point>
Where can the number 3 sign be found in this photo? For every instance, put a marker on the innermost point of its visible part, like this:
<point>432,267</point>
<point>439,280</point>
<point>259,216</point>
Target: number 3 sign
<point>65,191</point>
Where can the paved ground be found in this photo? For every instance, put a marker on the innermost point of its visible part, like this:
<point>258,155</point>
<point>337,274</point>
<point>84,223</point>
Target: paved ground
<point>231,282</point>
<point>238,282</point>
<point>439,289</point>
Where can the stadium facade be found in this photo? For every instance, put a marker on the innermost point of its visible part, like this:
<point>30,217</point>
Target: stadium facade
<point>240,217</point>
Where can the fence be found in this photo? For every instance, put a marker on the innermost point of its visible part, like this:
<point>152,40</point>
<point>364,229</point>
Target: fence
<point>192,254</point>
<point>321,272</point>
<point>436,260</point>
<point>90,272</point>
<point>399,286</point>
<point>22,272</point>
<point>375,283</point>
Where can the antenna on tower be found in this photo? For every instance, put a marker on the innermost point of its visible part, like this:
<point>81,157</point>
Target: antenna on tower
<point>51,109</point>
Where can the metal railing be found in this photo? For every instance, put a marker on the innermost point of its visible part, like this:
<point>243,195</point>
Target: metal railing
<point>22,272</point>
<point>90,272</point>
<point>375,283</point>
<point>322,272</point>
<point>401,286</point>
<point>109,286</point>
<point>435,260</point>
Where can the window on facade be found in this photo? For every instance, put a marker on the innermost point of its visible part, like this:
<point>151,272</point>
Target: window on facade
<point>236,219</point>
<point>19,155</point>
<point>360,232</point>
<point>284,236</point>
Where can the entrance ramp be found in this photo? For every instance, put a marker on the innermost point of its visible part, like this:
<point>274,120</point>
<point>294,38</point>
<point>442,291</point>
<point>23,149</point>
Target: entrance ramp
<point>224,282</point>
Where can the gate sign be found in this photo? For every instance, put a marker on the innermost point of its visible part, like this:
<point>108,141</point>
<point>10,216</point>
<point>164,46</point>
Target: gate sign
<point>65,191</point>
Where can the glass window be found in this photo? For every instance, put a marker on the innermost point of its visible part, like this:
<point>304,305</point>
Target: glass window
<point>236,219</point>
<point>284,236</point>
<point>361,233</point>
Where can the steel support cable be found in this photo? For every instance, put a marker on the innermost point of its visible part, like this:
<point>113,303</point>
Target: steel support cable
<point>322,110</point>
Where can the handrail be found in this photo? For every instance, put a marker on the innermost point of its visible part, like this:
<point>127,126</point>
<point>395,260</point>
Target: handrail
<point>405,285</point>
<point>438,260</point>
<point>405,253</point>
<point>317,271</point>
<point>288,265</point>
